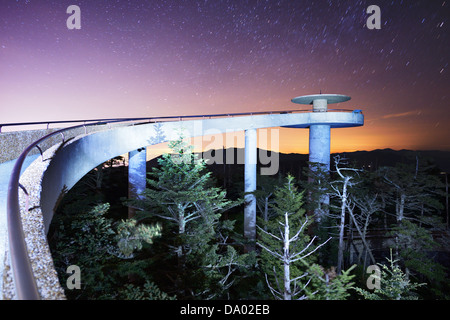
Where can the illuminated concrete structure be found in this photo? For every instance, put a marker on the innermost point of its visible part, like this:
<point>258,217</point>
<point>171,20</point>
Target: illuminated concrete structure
<point>137,175</point>
<point>320,131</point>
<point>250,183</point>
<point>63,165</point>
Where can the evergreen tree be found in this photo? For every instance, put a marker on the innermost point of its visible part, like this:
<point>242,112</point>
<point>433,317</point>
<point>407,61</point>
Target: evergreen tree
<point>414,190</point>
<point>149,292</point>
<point>317,190</point>
<point>394,284</point>
<point>181,194</point>
<point>415,245</point>
<point>286,245</point>
<point>328,284</point>
<point>131,236</point>
<point>414,199</point>
<point>264,195</point>
<point>89,240</point>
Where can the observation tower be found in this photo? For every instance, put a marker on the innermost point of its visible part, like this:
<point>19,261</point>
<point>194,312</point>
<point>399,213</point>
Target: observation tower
<point>321,121</point>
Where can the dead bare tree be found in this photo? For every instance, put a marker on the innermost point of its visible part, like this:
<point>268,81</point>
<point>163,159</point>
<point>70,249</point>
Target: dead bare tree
<point>289,289</point>
<point>347,179</point>
<point>367,205</point>
<point>362,234</point>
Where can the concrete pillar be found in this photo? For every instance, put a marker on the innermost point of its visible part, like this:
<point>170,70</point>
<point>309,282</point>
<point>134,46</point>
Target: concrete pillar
<point>319,151</point>
<point>319,144</point>
<point>250,184</point>
<point>320,105</point>
<point>137,174</point>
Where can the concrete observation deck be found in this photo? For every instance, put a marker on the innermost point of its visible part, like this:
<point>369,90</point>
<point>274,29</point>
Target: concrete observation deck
<point>320,114</point>
<point>330,118</point>
<point>321,122</point>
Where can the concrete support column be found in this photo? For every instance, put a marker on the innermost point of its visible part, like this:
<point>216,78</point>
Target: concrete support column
<point>319,151</point>
<point>320,105</point>
<point>319,144</point>
<point>250,184</point>
<point>137,174</point>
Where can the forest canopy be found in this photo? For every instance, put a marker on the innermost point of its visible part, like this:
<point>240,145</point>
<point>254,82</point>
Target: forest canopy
<point>317,232</point>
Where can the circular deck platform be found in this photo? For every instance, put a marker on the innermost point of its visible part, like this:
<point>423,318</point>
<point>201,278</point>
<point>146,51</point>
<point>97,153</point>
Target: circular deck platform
<point>333,119</point>
<point>331,98</point>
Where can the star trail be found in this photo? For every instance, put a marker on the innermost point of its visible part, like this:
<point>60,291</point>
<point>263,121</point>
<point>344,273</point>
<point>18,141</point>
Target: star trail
<point>158,58</point>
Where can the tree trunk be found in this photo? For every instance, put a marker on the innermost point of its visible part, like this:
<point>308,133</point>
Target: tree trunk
<point>363,237</point>
<point>99,177</point>
<point>401,208</point>
<point>181,230</point>
<point>181,259</point>
<point>287,294</point>
<point>341,227</point>
<point>350,242</point>
<point>400,215</point>
<point>266,209</point>
<point>287,282</point>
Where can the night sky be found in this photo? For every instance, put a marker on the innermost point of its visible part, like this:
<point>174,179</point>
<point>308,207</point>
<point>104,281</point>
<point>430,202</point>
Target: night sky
<point>161,58</point>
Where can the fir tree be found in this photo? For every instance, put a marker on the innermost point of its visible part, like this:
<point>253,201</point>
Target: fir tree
<point>328,284</point>
<point>131,236</point>
<point>317,190</point>
<point>148,292</point>
<point>414,245</point>
<point>181,193</point>
<point>414,198</point>
<point>394,284</point>
<point>90,241</point>
<point>286,244</point>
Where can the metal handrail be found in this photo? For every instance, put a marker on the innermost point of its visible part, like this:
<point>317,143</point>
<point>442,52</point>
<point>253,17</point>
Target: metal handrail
<point>24,281</point>
<point>108,120</point>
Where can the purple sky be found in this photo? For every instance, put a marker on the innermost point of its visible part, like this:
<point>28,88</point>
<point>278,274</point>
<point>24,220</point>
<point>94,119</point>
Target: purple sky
<point>159,58</point>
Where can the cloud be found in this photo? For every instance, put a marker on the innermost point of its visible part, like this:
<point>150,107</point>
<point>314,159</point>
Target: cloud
<point>400,115</point>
